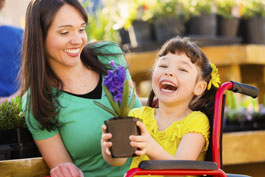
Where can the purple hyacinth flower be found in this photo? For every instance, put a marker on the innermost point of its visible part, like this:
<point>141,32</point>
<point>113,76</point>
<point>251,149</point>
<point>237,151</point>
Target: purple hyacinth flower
<point>114,81</point>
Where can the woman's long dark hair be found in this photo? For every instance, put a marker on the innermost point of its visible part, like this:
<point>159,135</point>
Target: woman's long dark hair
<point>205,102</point>
<point>36,74</point>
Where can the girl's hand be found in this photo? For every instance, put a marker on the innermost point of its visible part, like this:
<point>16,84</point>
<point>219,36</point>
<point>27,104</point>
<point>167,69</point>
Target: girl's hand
<point>66,169</point>
<point>145,143</point>
<point>105,143</point>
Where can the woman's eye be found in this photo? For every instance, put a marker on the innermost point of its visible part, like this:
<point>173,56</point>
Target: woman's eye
<point>64,32</point>
<point>82,30</point>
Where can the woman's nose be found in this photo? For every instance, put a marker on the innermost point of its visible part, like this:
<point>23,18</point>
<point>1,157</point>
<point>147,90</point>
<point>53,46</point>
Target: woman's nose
<point>76,39</point>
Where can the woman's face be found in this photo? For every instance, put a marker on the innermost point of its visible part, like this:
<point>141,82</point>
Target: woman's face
<point>66,38</point>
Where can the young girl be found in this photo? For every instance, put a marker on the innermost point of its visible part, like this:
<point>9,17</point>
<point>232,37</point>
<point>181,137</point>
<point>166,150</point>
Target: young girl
<point>184,83</point>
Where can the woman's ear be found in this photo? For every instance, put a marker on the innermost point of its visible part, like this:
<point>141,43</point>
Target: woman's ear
<point>200,87</point>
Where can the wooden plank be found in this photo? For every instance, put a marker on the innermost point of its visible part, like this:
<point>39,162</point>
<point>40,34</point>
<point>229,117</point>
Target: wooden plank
<point>31,167</point>
<point>141,62</point>
<point>219,55</point>
<point>243,147</point>
<point>225,55</point>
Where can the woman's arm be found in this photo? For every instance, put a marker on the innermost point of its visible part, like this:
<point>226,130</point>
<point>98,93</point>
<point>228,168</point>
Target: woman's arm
<point>57,157</point>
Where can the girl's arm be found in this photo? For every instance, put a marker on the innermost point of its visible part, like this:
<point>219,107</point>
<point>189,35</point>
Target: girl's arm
<point>189,148</point>
<point>105,145</point>
<point>57,158</point>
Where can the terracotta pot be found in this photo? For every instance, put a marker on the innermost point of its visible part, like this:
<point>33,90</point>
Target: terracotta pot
<point>121,129</point>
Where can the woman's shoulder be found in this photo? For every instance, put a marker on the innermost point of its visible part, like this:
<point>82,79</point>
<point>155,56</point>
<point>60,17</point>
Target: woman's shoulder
<point>106,47</point>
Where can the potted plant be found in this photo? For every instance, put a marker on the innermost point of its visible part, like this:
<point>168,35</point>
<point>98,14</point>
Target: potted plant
<point>15,138</point>
<point>165,13</point>
<point>246,116</point>
<point>253,23</point>
<point>137,22</point>
<point>202,17</point>
<point>228,17</point>
<point>120,126</point>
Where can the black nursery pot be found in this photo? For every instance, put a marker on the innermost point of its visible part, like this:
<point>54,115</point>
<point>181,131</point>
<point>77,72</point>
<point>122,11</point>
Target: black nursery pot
<point>121,129</point>
<point>140,33</point>
<point>254,30</point>
<point>227,26</point>
<point>167,27</point>
<point>202,25</point>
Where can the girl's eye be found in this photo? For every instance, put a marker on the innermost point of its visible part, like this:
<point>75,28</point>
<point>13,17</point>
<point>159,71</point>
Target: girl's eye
<point>182,69</point>
<point>162,66</point>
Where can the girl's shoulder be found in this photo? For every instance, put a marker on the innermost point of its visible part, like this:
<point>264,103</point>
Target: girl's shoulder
<point>142,112</point>
<point>196,119</point>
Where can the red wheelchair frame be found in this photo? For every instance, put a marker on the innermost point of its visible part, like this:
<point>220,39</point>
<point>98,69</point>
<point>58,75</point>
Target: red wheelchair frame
<point>209,168</point>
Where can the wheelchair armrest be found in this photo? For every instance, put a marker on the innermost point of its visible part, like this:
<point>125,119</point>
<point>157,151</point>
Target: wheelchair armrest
<point>235,175</point>
<point>177,164</point>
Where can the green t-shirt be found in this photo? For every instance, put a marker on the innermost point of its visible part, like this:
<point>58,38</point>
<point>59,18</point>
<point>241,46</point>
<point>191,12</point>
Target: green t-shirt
<point>80,122</point>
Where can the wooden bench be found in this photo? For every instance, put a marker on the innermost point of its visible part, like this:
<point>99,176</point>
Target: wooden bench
<point>31,167</point>
<point>238,148</point>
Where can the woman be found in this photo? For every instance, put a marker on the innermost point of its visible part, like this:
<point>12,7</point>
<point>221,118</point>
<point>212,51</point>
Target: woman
<point>61,75</point>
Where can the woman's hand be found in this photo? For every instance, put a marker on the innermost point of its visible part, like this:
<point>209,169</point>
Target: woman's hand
<point>145,143</point>
<point>66,169</point>
<point>105,149</point>
<point>105,143</point>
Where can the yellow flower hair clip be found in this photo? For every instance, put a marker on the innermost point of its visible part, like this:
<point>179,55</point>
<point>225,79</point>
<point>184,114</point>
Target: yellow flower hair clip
<point>215,79</point>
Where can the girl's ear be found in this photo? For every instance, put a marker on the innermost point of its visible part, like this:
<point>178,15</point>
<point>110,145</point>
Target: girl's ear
<point>200,87</point>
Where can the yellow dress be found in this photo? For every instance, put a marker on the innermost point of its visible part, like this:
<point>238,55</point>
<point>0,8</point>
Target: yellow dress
<point>169,139</point>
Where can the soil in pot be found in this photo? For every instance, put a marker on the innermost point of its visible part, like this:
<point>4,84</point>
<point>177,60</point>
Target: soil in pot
<point>121,129</point>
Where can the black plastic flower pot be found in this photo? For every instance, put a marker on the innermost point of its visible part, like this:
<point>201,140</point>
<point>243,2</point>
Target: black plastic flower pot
<point>202,25</point>
<point>227,27</point>
<point>17,135</point>
<point>166,28</point>
<point>124,35</point>
<point>121,129</point>
<point>254,30</point>
<point>140,33</point>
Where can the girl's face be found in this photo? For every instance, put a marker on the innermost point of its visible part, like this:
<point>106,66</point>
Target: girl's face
<point>66,38</point>
<point>176,79</point>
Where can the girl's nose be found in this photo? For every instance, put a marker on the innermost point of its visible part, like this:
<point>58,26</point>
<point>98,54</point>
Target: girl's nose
<point>168,73</point>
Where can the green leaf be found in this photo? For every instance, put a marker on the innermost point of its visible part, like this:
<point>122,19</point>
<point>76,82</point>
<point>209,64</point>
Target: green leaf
<point>113,104</point>
<point>125,98</point>
<point>132,100</point>
<point>105,108</point>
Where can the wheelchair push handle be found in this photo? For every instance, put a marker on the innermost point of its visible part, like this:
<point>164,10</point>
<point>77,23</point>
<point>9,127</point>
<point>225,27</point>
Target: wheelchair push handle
<point>244,89</point>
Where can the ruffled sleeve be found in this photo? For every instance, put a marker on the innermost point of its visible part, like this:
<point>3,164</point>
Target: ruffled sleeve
<point>198,122</point>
